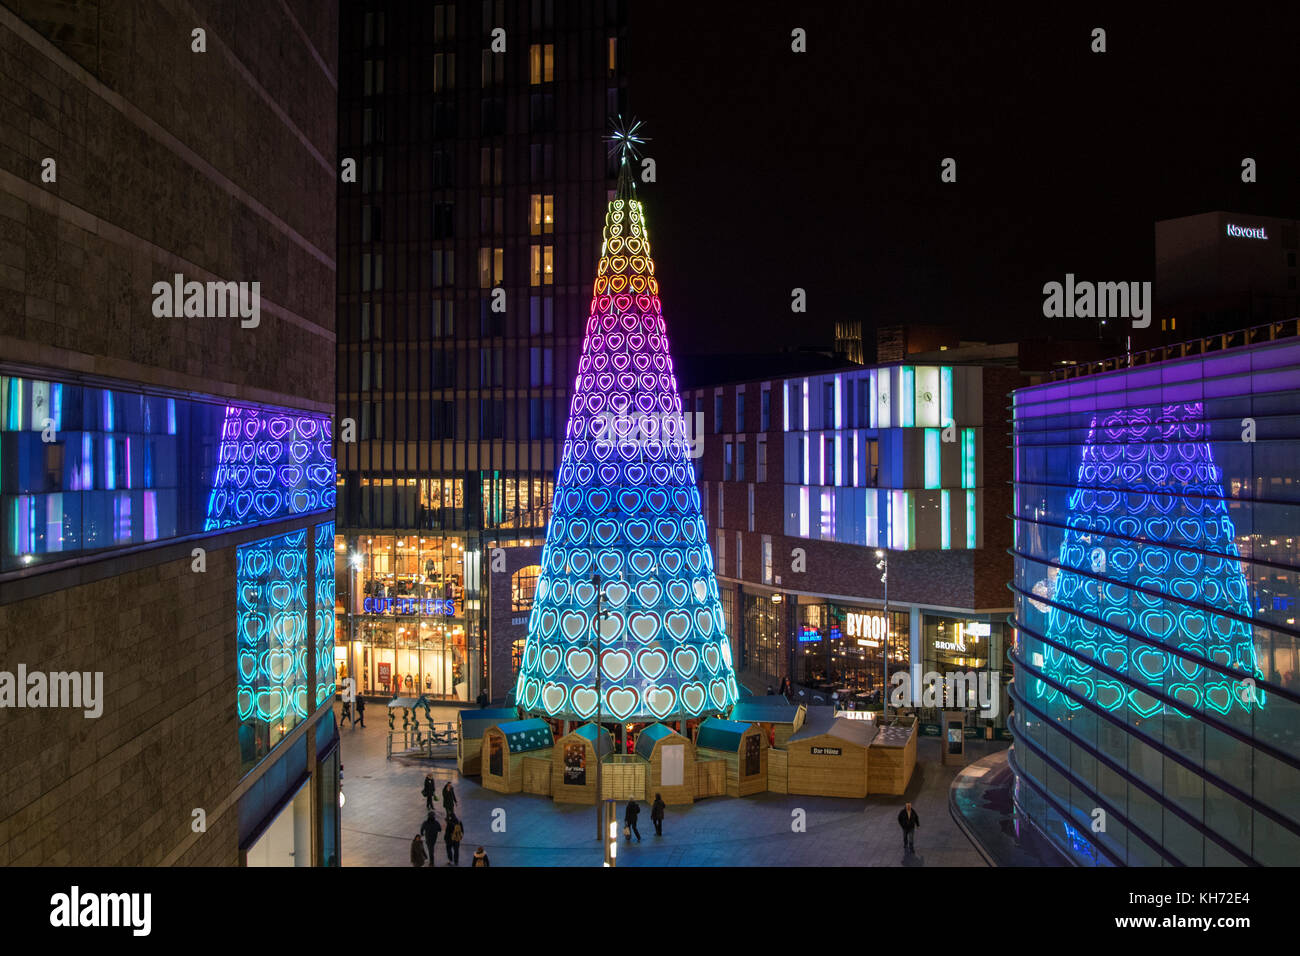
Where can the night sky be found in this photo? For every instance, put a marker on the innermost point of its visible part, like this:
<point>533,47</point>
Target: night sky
<point>821,169</point>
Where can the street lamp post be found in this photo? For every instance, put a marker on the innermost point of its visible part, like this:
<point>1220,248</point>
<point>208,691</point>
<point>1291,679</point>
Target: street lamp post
<point>882,565</point>
<point>599,617</point>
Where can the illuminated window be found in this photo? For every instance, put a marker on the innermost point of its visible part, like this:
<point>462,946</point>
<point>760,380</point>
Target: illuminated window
<point>523,587</point>
<point>932,458</point>
<point>542,214</point>
<point>491,267</point>
<point>613,54</point>
<point>542,265</point>
<point>541,63</point>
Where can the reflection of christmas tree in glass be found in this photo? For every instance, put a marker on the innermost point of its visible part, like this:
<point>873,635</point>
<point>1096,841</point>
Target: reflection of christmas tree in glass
<point>626,508</point>
<point>1150,551</point>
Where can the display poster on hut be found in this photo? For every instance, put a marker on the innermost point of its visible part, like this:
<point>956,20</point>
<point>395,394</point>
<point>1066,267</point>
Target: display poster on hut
<point>752,765</point>
<point>575,765</point>
<point>494,756</point>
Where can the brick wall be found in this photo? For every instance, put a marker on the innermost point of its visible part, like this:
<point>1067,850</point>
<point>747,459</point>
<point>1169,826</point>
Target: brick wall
<point>502,629</point>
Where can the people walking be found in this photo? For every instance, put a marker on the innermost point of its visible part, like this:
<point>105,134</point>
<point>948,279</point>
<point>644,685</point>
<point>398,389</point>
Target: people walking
<point>429,792</point>
<point>429,830</point>
<point>418,851</point>
<point>448,798</point>
<point>657,815</point>
<point>481,858</point>
<point>346,716</point>
<point>629,821</point>
<point>455,833</point>
<point>482,699</point>
<point>361,710</point>
<point>909,821</point>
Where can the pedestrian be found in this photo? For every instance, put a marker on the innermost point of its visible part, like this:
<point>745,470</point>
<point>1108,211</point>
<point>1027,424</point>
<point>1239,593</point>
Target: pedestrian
<point>770,692</point>
<point>448,798</point>
<point>346,716</point>
<point>481,858</point>
<point>909,821</point>
<point>455,833</point>
<point>361,710</point>
<point>429,792</point>
<point>482,699</point>
<point>657,815</point>
<point>429,830</point>
<point>418,852</point>
<point>629,821</point>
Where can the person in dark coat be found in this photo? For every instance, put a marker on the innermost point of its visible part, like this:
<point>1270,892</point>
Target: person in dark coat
<point>448,798</point>
<point>629,820</point>
<point>429,830</point>
<point>481,858</point>
<point>455,833</point>
<point>429,792</point>
<point>418,852</point>
<point>361,710</point>
<point>482,699</point>
<point>909,821</point>
<point>657,815</point>
<point>347,713</point>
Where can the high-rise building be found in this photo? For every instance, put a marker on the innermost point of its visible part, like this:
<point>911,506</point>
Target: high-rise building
<point>1221,271</point>
<point>1157,659</point>
<point>167,188</point>
<point>465,245</point>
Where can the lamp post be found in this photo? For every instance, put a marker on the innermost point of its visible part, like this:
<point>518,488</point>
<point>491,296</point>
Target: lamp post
<point>600,616</point>
<point>882,565</point>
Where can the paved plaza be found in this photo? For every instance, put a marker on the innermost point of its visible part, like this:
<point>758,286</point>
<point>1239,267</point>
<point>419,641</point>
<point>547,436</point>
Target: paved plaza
<point>384,810</point>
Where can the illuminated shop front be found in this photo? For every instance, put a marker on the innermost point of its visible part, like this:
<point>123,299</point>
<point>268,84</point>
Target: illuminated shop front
<point>964,645</point>
<point>842,649</point>
<point>406,626</point>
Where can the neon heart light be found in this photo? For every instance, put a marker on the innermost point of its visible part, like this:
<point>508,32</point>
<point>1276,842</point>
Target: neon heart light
<point>1173,539</point>
<point>626,508</point>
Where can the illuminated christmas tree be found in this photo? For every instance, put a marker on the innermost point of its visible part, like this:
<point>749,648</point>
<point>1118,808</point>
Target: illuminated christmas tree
<point>626,516</point>
<point>1150,551</point>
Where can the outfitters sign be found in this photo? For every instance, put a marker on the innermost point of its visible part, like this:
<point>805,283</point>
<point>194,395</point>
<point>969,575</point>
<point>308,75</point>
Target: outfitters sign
<point>1247,232</point>
<point>425,606</point>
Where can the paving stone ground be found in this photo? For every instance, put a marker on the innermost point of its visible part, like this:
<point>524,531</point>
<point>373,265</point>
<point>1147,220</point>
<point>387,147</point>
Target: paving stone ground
<point>384,809</point>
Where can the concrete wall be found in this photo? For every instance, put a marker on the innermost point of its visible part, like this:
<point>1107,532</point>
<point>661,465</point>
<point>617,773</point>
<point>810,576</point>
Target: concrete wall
<point>221,166</point>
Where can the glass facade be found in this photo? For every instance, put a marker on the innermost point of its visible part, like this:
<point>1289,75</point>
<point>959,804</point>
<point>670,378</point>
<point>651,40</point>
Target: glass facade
<point>1157,672</point>
<point>876,457</point>
<point>273,579</point>
<point>85,469</point>
<point>842,649</point>
<point>404,622</point>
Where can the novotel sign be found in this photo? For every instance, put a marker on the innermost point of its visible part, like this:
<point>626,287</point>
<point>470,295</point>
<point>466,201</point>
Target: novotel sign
<point>429,607</point>
<point>1247,232</point>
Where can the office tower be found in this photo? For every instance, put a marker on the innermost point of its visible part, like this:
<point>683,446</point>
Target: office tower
<point>464,247</point>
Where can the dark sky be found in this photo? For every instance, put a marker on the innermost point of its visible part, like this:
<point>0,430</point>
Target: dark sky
<point>821,170</point>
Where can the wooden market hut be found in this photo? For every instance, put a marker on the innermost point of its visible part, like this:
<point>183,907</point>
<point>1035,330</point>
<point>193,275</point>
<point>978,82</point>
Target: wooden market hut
<point>670,760</point>
<point>892,758</point>
<point>778,717</point>
<point>828,756</point>
<point>743,747</point>
<point>573,764</point>
<point>470,727</point>
<point>504,747</point>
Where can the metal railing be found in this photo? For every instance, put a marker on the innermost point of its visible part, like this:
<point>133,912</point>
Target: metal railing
<point>1270,332</point>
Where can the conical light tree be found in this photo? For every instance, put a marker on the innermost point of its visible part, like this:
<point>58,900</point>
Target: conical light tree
<point>626,529</point>
<point>1150,552</point>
